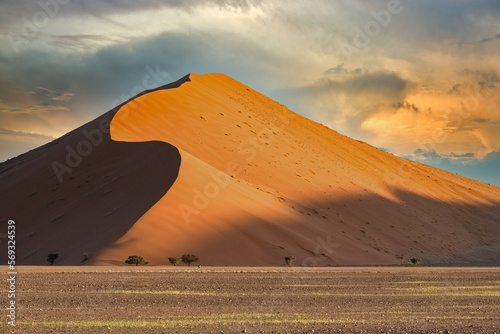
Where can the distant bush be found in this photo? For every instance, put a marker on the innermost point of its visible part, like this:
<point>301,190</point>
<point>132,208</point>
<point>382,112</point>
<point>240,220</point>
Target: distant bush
<point>289,260</point>
<point>415,261</point>
<point>136,259</point>
<point>174,260</point>
<point>189,258</point>
<point>85,256</point>
<point>52,257</point>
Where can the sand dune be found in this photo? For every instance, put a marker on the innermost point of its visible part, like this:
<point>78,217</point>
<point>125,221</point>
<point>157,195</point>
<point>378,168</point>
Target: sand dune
<point>290,186</point>
<point>256,182</point>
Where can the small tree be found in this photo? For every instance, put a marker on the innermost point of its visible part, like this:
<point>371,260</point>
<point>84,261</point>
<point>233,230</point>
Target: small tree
<point>85,256</point>
<point>289,260</point>
<point>415,261</point>
<point>188,258</point>
<point>173,260</point>
<point>52,257</point>
<point>136,259</point>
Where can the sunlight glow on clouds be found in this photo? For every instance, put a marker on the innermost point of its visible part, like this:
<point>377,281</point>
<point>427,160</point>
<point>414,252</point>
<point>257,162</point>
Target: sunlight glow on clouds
<point>425,85</point>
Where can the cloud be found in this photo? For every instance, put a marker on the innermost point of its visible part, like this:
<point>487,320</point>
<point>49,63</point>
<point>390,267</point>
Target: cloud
<point>381,84</point>
<point>405,105</point>
<point>40,109</point>
<point>421,155</point>
<point>84,42</point>
<point>13,10</point>
<point>387,84</point>
<point>345,102</point>
<point>115,70</point>
<point>13,142</point>
<point>55,95</point>
<point>467,164</point>
<point>341,69</point>
<point>490,39</point>
<point>63,97</point>
<point>13,133</point>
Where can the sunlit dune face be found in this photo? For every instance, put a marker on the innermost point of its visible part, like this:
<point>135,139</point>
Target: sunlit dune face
<point>219,121</point>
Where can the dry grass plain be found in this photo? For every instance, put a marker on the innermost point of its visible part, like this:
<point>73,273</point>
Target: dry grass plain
<point>256,300</point>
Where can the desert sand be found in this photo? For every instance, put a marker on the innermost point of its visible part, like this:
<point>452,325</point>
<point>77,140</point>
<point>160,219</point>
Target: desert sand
<point>212,167</point>
<point>149,299</point>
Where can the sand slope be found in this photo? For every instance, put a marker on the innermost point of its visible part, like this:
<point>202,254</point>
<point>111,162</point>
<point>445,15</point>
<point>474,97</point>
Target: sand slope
<point>256,182</point>
<point>259,182</point>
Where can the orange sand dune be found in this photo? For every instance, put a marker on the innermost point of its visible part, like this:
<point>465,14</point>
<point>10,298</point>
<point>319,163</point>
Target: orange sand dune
<point>256,183</point>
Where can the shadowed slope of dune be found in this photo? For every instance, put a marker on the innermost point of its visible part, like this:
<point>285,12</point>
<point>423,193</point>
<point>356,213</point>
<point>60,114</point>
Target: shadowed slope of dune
<point>258,180</point>
<point>357,229</point>
<point>91,206</point>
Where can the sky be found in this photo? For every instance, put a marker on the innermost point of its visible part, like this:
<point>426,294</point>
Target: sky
<point>419,79</point>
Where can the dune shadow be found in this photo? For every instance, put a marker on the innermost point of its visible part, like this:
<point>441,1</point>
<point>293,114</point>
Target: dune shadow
<point>82,192</point>
<point>365,229</point>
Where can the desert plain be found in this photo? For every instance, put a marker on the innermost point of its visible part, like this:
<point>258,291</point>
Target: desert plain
<point>163,299</point>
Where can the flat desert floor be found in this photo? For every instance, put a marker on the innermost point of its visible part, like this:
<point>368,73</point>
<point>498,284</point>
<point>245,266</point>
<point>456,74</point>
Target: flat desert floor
<point>255,300</point>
